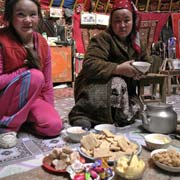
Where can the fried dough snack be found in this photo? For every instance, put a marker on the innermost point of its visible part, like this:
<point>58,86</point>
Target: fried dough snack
<point>169,158</point>
<point>60,158</point>
<point>106,145</point>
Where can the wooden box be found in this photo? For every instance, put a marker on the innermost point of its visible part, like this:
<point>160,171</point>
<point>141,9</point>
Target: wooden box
<point>61,64</point>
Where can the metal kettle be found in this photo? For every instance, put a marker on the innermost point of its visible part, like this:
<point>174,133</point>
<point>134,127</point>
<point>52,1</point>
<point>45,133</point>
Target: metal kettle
<point>159,118</point>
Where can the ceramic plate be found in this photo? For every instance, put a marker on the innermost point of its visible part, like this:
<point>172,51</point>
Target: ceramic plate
<point>53,170</point>
<point>163,166</point>
<point>91,158</point>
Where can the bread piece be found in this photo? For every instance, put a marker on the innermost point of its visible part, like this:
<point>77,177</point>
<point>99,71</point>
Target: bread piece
<point>123,143</point>
<point>110,139</point>
<point>67,150</point>
<point>74,156</point>
<point>104,144</point>
<point>102,152</point>
<point>56,153</point>
<point>108,133</point>
<point>114,148</point>
<point>59,164</point>
<point>89,141</point>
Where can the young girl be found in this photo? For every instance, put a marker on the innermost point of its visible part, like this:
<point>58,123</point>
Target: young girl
<point>26,89</point>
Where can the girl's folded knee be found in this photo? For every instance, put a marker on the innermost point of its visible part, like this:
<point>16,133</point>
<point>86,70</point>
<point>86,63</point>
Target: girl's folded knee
<point>37,75</point>
<point>55,128</point>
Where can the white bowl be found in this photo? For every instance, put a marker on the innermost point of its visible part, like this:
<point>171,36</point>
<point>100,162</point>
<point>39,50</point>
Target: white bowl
<point>141,66</point>
<point>109,127</point>
<point>161,165</point>
<point>157,141</point>
<point>75,133</point>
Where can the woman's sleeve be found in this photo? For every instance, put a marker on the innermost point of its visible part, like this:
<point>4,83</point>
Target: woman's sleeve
<point>6,78</point>
<point>97,63</point>
<point>47,91</point>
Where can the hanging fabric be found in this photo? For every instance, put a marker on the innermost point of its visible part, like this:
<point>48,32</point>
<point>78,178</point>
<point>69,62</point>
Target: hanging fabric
<point>176,30</point>
<point>56,8</point>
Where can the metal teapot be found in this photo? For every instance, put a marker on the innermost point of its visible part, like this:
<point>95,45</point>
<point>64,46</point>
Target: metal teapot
<point>159,118</point>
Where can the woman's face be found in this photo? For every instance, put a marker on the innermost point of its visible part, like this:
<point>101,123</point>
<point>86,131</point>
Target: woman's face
<point>122,23</point>
<point>25,18</point>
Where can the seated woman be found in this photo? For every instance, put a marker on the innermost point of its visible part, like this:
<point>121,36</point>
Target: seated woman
<point>26,89</point>
<point>105,89</point>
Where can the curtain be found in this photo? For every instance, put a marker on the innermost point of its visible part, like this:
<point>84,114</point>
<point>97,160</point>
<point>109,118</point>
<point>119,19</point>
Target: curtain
<point>176,31</point>
<point>151,25</point>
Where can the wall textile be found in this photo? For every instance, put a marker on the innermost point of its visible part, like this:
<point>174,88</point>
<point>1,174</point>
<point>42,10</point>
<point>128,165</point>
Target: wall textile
<point>151,25</point>
<point>176,30</point>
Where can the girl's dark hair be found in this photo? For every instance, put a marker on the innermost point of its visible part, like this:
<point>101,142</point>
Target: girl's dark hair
<point>9,7</point>
<point>32,56</point>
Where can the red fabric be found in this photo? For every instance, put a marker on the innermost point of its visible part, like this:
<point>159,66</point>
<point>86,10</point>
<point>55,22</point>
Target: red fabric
<point>176,30</point>
<point>77,35</point>
<point>44,4</point>
<point>86,6</point>
<point>125,4</point>
<point>151,24</point>
<point>160,18</point>
<point>15,54</point>
<point>45,118</point>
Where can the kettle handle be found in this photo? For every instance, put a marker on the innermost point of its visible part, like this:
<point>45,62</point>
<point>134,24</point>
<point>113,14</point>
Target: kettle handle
<point>145,117</point>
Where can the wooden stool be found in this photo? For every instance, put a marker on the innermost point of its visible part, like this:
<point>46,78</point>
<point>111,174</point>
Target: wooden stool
<point>173,74</point>
<point>153,80</point>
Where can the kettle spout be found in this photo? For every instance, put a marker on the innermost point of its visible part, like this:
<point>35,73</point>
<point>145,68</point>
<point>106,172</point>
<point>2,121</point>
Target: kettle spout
<point>144,117</point>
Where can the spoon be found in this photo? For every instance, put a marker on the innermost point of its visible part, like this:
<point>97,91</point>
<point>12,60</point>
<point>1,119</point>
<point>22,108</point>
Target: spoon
<point>130,159</point>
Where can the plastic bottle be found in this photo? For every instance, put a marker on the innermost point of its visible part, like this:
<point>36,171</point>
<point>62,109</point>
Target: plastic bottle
<point>172,48</point>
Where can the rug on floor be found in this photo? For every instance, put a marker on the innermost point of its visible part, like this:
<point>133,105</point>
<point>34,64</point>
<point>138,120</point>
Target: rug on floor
<point>30,150</point>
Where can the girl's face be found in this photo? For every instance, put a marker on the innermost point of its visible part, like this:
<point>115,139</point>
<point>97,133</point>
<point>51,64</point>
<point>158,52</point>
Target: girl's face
<point>25,18</point>
<point>122,23</point>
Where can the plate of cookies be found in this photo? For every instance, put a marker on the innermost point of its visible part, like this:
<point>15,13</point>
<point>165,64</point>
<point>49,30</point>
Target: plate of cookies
<point>58,160</point>
<point>107,145</point>
<point>166,159</point>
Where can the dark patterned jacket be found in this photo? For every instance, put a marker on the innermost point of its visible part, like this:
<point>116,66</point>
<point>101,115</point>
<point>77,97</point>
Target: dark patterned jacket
<point>93,84</point>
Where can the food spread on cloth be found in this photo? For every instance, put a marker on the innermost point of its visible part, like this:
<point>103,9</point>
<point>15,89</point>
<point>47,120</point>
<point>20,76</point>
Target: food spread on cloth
<point>103,148</point>
<point>106,145</point>
<point>99,170</point>
<point>61,158</point>
<point>68,160</point>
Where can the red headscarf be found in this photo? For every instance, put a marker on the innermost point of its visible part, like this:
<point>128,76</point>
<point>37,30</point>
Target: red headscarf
<point>123,4</point>
<point>128,4</point>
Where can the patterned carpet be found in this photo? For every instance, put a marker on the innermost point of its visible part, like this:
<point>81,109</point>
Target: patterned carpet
<point>30,150</point>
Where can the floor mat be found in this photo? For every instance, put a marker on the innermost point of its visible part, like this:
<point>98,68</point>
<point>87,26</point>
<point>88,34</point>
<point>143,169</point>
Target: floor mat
<point>30,150</point>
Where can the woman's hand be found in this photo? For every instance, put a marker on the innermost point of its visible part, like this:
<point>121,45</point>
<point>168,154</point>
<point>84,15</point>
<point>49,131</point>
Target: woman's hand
<point>126,69</point>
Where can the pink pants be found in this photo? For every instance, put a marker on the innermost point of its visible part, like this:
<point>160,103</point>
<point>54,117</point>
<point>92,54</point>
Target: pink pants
<point>21,102</point>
